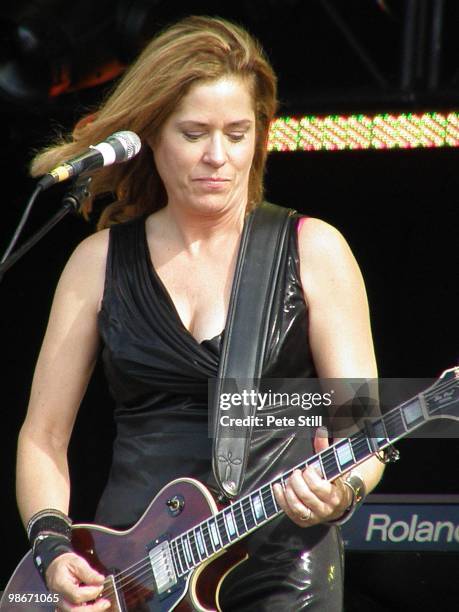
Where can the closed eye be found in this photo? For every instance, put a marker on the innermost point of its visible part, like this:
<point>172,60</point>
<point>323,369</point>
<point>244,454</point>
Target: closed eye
<point>192,135</point>
<point>233,136</point>
<point>236,136</point>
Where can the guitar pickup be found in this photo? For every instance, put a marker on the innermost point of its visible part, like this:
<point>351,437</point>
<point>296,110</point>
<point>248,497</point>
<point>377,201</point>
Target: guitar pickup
<point>162,566</point>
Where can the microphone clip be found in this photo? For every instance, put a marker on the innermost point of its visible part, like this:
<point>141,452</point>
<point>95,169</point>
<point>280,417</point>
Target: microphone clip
<point>77,194</point>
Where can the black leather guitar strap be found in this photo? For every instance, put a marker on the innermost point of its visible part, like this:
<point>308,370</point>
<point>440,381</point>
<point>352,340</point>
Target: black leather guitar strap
<point>244,344</point>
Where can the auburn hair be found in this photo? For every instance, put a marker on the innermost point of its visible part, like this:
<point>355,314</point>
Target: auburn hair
<point>197,48</point>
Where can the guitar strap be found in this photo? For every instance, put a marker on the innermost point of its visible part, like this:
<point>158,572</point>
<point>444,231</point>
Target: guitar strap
<point>244,345</point>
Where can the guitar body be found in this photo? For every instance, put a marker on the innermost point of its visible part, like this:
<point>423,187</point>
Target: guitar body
<point>177,555</point>
<point>113,552</point>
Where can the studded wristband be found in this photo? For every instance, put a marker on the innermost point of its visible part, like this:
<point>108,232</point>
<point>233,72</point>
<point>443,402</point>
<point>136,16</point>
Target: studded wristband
<point>49,533</point>
<point>355,483</point>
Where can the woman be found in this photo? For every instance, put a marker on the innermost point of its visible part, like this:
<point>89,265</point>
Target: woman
<point>154,292</point>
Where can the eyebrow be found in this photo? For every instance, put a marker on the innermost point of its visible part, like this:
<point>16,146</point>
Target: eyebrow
<point>241,123</point>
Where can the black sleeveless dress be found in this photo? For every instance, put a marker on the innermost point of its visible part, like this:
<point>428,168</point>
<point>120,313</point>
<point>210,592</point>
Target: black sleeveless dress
<point>158,373</point>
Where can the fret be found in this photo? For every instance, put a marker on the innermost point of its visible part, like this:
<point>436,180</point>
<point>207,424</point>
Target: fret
<point>260,493</point>
<point>222,529</point>
<point>230,523</point>
<point>207,539</point>
<point>176,559</point>
<point>321,467</point>
<point>360,447</point>
<point>182,557</point>
<point>248,514</point>
<point>273,496</point>
<point>379,433</point>
<point>315,463</point>
<point>269,501</point>
<point>253,509</point>
<point>214,534</point>
<point>349,441</point>
<point>200,543</point>
<point>394,424</point>
<point>412,413</point>
<point>330,464</point>
<point>338,467</point>
<point>257,507</point>
<point>187,548</point>
<point>240,520</point>
<point>279,481</point>
<point>344,455</point>
<point>194,548</point>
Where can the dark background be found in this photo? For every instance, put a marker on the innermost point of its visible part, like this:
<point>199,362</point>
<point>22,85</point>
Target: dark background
<point>397,209</point>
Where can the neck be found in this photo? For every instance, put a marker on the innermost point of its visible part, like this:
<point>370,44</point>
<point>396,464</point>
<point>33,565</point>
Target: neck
<point>195,230</point>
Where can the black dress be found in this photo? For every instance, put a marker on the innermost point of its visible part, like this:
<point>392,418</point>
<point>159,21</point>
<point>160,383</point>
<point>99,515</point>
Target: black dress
<point>158,374</point>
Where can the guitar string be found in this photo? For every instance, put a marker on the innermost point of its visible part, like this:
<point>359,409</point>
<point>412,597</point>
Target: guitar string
<point>145,567</point>
<point>144,570</point>
<point>129,575</point>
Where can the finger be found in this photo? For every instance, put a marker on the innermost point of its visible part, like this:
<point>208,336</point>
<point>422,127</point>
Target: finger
<point>85,573</point>
<point>85,593</point>
<point>297,495</point>
<point>294,515</point>
<point>328,496</point>
<point>279,495</point>
<point>78,597</point>
<point>321,439</point>
<point>279,492</point>
<point>317,486</point>
<point>298,485</point>
<point>68,574</point>
<point>309,490</point>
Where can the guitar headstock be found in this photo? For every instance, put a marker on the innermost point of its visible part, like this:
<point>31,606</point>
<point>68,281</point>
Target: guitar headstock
<point>442,398</point>
<point>450,373</point>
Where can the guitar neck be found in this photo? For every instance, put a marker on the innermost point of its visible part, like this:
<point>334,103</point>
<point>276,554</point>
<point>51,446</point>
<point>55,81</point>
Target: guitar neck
<point>255,509</point>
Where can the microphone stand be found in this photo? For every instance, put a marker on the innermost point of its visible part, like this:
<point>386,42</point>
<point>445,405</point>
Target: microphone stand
<point>71,203</point>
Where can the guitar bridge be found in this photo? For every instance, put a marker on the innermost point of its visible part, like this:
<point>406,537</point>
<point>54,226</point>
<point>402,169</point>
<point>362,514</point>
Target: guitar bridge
<point>162,566</point>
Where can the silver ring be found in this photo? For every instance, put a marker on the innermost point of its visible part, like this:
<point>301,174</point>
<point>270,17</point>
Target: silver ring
<point>306,517</point>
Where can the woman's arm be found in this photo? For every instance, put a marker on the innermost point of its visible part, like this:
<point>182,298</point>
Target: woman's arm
<point>64,367</point>
<point>342,346</point>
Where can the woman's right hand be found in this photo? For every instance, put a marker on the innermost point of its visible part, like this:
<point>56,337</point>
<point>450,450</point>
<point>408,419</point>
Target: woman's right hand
<point>76,582</point>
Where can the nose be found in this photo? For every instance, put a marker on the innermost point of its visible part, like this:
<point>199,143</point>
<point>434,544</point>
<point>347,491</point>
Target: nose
<point>215,153</point>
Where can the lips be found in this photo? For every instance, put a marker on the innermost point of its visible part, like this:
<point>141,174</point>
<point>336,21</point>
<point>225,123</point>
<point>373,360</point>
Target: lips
<point>211,179</point>
<point>212,183</point>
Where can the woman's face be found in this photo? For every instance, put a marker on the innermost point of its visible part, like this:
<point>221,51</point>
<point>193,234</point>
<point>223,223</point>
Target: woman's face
<point>205,149</point>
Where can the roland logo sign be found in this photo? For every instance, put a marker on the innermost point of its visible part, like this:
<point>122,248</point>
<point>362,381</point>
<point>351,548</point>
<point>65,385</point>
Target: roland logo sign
<point>382,529</point>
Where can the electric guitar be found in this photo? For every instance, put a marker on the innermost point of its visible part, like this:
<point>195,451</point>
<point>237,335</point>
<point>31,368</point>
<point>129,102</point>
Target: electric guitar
<point>177,555</point>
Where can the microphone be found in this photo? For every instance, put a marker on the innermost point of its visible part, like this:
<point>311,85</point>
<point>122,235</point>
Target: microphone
<point>118,148</point>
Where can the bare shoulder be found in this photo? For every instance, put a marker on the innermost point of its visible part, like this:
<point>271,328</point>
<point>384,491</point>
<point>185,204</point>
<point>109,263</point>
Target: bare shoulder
<point>318,239</point>
<point>94,246</point>
<point>326,260</point>
<point>84,272</point>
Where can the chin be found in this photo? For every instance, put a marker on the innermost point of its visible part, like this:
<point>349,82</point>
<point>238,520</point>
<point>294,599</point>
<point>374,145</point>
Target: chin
<point>212,203</point>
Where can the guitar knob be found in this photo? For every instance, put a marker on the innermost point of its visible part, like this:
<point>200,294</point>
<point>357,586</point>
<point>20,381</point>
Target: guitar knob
<point>175,504</point>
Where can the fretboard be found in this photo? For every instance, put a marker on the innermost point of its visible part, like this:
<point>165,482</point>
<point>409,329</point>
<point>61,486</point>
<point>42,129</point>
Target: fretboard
<point>255,509</point>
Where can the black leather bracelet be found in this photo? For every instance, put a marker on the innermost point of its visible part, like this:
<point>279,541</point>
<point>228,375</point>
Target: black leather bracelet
<point>49,521</point>
<point>47,548</point>
<point>49,533</point>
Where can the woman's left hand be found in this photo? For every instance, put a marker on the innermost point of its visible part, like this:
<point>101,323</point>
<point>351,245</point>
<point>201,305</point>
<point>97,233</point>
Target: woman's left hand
<point>309,499</point>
